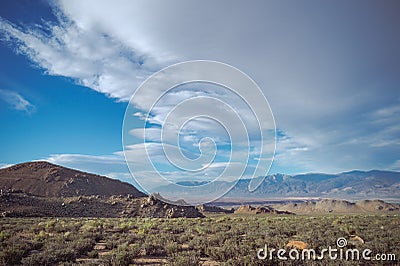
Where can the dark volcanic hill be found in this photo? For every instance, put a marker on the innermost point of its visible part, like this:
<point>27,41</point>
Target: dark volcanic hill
<point>50,180</point>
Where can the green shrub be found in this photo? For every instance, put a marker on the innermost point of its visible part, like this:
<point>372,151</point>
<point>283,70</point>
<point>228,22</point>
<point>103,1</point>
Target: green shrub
<point>119,258</point>
<point>172,247</point>
<point>185,258</point>
<point>82,246</point>
<point>93,254</point>
<point>50,257</point>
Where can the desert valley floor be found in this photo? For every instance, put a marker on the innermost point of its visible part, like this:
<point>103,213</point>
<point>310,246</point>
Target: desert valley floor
<point>218,239</point>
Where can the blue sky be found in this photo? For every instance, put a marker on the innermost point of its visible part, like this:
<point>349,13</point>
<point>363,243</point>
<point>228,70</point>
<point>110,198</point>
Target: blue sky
<point>330,71</point>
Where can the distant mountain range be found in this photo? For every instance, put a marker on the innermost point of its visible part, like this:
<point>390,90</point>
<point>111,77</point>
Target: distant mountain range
<point>49,180</point>
<point>354,185</point>
<point>45,189</point>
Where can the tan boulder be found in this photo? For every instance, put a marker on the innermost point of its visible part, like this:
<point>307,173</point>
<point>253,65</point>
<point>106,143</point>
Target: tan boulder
<point>297,244</point>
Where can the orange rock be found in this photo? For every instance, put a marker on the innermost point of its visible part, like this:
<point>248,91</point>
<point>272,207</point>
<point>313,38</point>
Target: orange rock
<point>354,239</point>
<point>297,244</point>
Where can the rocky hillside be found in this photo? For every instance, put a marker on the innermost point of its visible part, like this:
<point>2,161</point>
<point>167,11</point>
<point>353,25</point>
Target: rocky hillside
<point>49,180</point>
<point>42,189</point>
<point>15,204</point>
<point>339,206</point>
<point>247,209</point>
<point>208,209</point>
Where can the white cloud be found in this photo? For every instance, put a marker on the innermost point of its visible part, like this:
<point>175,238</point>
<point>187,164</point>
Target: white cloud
<point>16,101</point>
<point>90,56</point>
<point>102,165</point>
<point>330,90</point>
<point>70,158</point>
<point>396,166</point>
<point>5,165</point>
<point>112,166</point>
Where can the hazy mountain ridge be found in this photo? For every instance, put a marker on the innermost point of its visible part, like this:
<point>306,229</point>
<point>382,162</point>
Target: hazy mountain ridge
<point>352,185</point>
<point>339,206</point>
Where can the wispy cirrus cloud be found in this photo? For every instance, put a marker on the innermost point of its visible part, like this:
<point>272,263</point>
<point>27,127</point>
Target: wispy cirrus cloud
<point>112,166</point>
<point>90,56</point>
<point>396,166</point>
<point>16,101</point>
<point>331,92</point>
<point>5,165</point>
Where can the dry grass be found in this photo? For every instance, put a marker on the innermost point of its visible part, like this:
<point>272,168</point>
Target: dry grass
<point>216,240</point>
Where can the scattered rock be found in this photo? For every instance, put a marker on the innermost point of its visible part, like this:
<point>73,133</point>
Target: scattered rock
<point>297,244</point>
<point>247,209</point>
<point>22,205</point>
<point>355,240</point>
<point>100,246</point>
<point>213,209</point>
<point>34,251</point>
